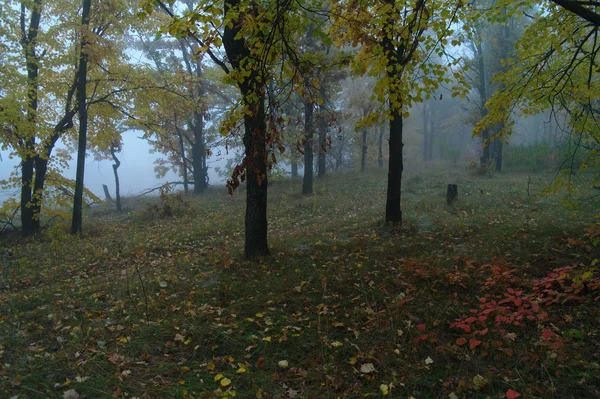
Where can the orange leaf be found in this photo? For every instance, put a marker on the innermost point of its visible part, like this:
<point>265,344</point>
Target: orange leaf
<point>510,394</point>
<point>474,343</point>
<point>421,327</point>
<point>461,341</point>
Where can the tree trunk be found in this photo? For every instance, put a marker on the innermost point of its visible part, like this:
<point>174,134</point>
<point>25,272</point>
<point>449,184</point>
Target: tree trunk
<point>380,156</point>
<point>363,154</point>
<point>256,174</point>
<point>184,167</point>
<point>116,173</point>
<point>307,182</point>
<point>30,222</point>
<point>432,122</point>
<point>76,224</point>
<point>199,155</point>
<point>393,209</point>
<point>28,218</point>
<point>451,194</point>
<point>425,132</point>
<point>482,88</point>
<point>498,147</point>
<point>322,143</point>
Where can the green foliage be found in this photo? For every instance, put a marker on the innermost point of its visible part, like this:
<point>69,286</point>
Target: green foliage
<point>169,205</point>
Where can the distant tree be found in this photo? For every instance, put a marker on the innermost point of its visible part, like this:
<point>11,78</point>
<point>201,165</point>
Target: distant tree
<point>396,49</point>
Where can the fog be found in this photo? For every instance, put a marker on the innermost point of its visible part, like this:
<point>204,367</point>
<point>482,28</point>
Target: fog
<point>136,172</point>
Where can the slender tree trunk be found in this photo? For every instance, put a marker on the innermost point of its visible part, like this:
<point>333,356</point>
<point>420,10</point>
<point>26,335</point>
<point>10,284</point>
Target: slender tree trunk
<point>322,143</point>
<point>431,133</point>
<point>482,88</point>
<point>76,224</point>
<point>380,156</point>
<point>115,168</point>
<point>363,153</point>
<point>393,209</point>
<point>256,175</point>
<point>199,155</point>
<point>184,167</point>
<point>425,132</point>
<point>307,182</point>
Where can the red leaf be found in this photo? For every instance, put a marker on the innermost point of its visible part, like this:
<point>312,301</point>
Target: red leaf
<point>547,334</point>
<point>461,341</point>
<point>474,343</point>
<point>421,327</point>
<point>510,394</point>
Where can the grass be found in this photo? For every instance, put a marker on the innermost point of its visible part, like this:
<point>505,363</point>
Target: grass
<point>151,306</point>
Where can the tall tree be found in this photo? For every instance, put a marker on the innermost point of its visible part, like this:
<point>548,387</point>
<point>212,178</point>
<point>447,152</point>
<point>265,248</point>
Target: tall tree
<point>84,35</point>
<point>396,48</point>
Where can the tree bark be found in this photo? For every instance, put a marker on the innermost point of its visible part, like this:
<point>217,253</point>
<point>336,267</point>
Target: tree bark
<point>76,224</point>
<point>199,155</point>
<point>380,156</point>
<point>393,209</point>
<point>255,139</point>
<point>322,143</point>
<point>115,168</point>
<point>307,182</point>
<point>363,153</point>
<point>30,200</point>
<point>256,174</point>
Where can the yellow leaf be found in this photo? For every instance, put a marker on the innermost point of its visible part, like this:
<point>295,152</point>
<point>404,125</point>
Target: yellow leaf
<point>219,377</point>
<point>384,389</point>
<point>181,382</point>
<point>268,339</point>
<point>211,366</point>
<point>188,341</point>
<point>259,315</point>
<point>259,394</point>
<point>242,369</point>
<point>225,382</point>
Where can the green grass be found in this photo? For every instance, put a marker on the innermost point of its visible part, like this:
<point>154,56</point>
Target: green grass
<point>161,307</point>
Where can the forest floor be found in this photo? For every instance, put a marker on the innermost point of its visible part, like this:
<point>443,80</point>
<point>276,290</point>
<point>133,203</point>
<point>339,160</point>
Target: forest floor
<point>496,296</point>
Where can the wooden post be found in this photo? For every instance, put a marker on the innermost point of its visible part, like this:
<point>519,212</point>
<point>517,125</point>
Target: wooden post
<point>451,194</point>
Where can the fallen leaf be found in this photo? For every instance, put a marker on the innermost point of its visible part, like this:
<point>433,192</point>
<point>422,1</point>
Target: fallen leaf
<point>510,394</point>
<point>70,394</point>
<point>384,389</point>
<point>225,382</point>
<point>367,368</point>
<point>428,361</point>
<point>474,343</point>
<point>283,364</point>
<point>461,341</point>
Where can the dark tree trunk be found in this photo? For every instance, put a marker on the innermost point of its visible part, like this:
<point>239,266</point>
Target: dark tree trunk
<point>294,169</point>
<point>393,209</point>
<point>76,224</point>
<point>380,156</point>
<point>451,194</point>
<point>115,168</point>
<point>255,138</point>
<point>29,221</point>
<point>256,174</point>
<point>30,200</point>
<point>307,182</point>
<point>322,143</point>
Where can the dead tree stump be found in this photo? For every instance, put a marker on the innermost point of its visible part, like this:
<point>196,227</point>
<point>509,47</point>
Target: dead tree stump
<point>107,193</point>
<point>451,194</point>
